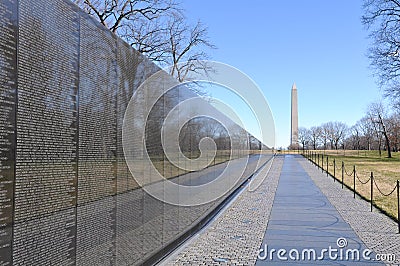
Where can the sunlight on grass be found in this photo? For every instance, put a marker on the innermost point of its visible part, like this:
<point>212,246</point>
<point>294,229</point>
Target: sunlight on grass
<point>386,172</point>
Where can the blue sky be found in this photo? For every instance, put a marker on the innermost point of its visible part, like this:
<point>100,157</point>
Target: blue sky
<point>320,45</point>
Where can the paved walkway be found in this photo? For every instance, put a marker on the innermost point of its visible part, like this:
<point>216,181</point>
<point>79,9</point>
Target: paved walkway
<point>375,229</point>
<point>300,212</point>
<point>306,226</point>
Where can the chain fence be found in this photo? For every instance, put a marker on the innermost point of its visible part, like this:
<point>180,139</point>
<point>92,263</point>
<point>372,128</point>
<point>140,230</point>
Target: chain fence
<point>331,168</point>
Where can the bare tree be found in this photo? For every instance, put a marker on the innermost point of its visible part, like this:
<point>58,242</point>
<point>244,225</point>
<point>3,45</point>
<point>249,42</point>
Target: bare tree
<point>141,23</point>
<point>334,132</point>
<point>382,18</point>
<point>156,28</point>
<point>186,45</point>
<point>377,114</point>
<point>339,131</point>
<point>315,134</point>
<point>116,15</point>
<point>393,128</point>
<point>355,137</point>
<point>366,130</point>
<point>329,132</point>
<point>325,134</point>
<point>304,137</point>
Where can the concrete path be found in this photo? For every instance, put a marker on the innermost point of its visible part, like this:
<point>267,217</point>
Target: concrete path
<point>306,228</point>
<point>297,216</point>
<point>375,229</point>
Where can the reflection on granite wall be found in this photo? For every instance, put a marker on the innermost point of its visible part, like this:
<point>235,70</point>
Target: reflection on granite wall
<point>67,196</point>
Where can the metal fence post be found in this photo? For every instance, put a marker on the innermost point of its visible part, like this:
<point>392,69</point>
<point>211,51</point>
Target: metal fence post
<point>372,189</point>
<point>327,166</point>
<point>318,160</point>
<point>354,181</point>
<point>342,173</point>
<point>334,170</point>
<point>398,205</point>
<point>322,168</point>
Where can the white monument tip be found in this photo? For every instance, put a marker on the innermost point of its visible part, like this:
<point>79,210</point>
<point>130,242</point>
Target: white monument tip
<point>294,86</point>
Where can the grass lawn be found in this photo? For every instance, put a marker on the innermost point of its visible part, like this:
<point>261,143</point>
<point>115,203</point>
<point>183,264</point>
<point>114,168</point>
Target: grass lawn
<point>386,172</point>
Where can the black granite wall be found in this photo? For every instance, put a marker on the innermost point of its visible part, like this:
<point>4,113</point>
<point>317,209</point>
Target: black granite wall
<point>67,196</point>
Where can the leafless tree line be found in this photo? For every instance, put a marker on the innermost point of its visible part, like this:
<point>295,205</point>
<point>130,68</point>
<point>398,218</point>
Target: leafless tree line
<point>382,20</point>
<point>377,130</point>
<point>157,29</point>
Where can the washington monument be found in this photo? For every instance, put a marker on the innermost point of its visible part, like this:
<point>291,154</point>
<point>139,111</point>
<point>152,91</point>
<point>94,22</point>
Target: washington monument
<point>294,137</point>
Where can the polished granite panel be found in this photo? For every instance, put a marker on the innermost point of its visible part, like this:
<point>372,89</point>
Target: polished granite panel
<point>67,195</point>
